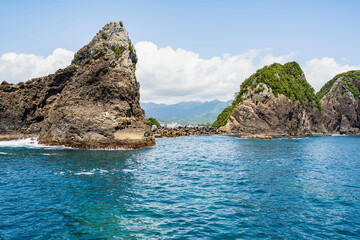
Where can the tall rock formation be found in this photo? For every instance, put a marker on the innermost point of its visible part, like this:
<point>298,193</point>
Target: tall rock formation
<point>340,102</point>
<point>276,100</point>
<point>92,103</point>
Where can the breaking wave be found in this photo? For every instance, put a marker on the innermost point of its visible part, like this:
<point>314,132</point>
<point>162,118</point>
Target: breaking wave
<point>29,143</point>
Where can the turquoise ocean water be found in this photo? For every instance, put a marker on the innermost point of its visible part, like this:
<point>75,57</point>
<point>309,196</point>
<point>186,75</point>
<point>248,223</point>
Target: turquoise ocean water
<point>198,187</point>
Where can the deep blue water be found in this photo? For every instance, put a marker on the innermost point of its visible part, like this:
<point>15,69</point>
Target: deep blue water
<point>199,187</point>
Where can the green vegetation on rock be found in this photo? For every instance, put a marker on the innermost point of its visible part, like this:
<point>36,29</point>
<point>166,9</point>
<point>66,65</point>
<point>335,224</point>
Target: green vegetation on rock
<point>355,75</point>
<point>131,48</point>
<point>351,87</point>
<point>287,79</point>
<point>132,51</point>
<point>152,121</point>
<point>223,116</point>
<point>121,24</point>
<point>118,51</point>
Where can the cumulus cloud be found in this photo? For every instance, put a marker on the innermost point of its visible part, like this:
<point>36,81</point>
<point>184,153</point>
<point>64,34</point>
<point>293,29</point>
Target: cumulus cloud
<point>319,71</point>
<point>168,75</point>
<point>15,68</point>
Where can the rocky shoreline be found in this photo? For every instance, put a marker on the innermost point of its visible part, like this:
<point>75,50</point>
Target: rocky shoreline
<point>197,130</point>
<point>16,136</point>
<point>184,131</point>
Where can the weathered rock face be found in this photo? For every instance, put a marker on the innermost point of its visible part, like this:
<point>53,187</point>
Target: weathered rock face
<point>276,100</point>
<point>340,102</point>
<point>266,114</point>
<point>92,103</point>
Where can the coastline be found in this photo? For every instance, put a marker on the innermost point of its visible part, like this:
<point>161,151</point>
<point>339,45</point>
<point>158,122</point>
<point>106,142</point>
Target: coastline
<point>185,131</point>
<point>190,131</point>
<point>102,145</point>
<point>166,133</point>
<point>79,145</point>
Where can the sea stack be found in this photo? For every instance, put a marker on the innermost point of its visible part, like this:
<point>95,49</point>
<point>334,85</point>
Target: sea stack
<point>275,101</point>
<point>93,103</point>
<point>340,102</point>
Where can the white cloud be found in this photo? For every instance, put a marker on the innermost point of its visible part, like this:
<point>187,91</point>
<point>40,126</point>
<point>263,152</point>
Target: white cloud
<point>167,75</point>
<point>15,68</point>
<point>319,71</point>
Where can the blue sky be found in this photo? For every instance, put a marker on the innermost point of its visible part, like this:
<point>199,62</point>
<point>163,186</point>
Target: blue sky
<point>306,29</point>
<point>210,28</point>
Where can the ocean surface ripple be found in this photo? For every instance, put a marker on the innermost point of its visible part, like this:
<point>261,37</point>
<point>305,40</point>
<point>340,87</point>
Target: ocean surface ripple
<point>198,187</point>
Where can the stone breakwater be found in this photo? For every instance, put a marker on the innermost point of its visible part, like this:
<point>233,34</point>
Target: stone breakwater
<point>185,131</point>
<point>188,131</point>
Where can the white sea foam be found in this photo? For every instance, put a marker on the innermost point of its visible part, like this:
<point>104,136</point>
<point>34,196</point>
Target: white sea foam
<point>33,143</point>
<point>84,173</point>
<point>28,143</point>
<point>3,153</point>
<point>91,172</point>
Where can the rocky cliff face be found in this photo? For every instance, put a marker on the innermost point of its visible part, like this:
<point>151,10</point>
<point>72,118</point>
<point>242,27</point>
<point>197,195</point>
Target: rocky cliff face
<point>92,103</point>
<point>276,100</point>
<point>340,102</point>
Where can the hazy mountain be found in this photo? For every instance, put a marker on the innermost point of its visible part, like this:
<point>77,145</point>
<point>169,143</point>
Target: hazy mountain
<point>186,112</point>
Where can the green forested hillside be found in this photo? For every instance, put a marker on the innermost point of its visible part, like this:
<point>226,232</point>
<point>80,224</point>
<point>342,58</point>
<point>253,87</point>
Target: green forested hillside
<point>350,86</point>
<point>287,79</point>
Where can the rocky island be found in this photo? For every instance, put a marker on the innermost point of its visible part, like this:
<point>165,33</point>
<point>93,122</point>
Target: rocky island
<point>278,101</point>
<point>93,103</point>
<point>340,102</point>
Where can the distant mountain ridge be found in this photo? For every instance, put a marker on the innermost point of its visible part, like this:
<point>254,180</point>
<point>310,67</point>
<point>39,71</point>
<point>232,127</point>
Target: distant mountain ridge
<point>193,112</point>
